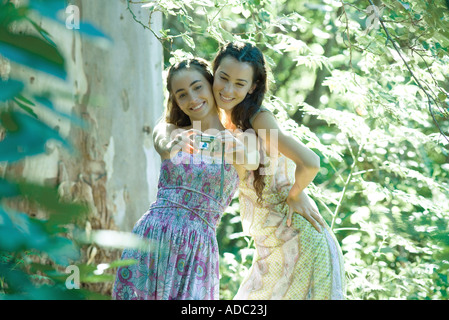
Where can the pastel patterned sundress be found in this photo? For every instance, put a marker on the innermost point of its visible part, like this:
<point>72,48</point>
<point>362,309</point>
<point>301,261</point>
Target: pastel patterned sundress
<point>295,262</point>
<point>180,225</point>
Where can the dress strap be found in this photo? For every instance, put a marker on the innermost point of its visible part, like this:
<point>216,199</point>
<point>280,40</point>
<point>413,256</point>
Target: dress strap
<point>222,170</point>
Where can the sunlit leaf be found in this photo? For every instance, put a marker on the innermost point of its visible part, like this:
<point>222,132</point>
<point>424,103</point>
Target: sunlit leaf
<point>188,40</point>
<point>116,239</point>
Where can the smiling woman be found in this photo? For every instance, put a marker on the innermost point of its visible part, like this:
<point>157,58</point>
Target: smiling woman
<point>346,71</point>
<point>297,255</point>
<point>232,82</point>
<point>193,94</point>
<point>183,262</point>
<point>189,83</point>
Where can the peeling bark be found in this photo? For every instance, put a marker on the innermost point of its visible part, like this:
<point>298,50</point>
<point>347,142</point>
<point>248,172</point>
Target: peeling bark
<point>118,92</point>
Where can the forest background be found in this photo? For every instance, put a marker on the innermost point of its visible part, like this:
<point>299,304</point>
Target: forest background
<point>362,83</point>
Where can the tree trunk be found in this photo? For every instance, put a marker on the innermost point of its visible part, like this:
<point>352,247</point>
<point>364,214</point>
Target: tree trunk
<point>118,91</point>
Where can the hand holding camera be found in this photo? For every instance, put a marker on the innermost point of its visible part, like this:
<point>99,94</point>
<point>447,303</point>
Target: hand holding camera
<point>223,145</point>
<point>208,143</point>
<point>182,140</point>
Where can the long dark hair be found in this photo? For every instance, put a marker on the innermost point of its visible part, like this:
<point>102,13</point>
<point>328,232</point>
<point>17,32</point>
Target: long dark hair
<point>173,113</point>
<point>243,112</point>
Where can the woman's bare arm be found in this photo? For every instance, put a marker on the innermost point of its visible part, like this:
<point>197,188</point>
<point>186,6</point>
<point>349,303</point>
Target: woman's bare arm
<point>161,138</point>
<point>307,166</point>
<point>307,162</point>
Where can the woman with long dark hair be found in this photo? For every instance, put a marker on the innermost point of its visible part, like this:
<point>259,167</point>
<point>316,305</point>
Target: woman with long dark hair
<point>297,255</point>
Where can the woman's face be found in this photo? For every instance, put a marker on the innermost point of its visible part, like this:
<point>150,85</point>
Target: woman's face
<point>193,94</point>
<point>233,80</point>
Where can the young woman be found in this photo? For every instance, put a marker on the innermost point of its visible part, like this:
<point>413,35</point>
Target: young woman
<point>297,256</point>
<point>182,260</point>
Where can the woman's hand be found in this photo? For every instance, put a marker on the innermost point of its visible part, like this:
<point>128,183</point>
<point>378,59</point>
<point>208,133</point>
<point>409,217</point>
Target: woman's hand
<point>236,151</point>
<point>306,207</point>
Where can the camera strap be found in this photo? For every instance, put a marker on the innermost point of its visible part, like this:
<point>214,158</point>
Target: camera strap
<point>222,170</point>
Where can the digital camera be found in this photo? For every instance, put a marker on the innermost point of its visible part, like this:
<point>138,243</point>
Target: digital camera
<point>207,142</point>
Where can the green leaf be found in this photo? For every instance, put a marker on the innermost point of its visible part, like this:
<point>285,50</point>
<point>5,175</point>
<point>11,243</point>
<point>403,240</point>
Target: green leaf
<point>215,34</point>
<point>20,232</point>
<point>8,189</point>
<point>32,52</point>
<point>10,89</point>
<point>48,8</point>
<point>44,33</point>
<point>188,40</point>
<point>25,107</point>
<point>9,13</point>
<point>26,136</point>
<point>61,250</point>
<point>442,96</point>
<point>122,263</point>
<point>47,198</point>
<point>92,31</point>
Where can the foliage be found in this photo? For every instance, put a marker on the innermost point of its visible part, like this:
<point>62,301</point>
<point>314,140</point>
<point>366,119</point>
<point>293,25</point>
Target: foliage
<point>35,252</point>
<point>370,97</point>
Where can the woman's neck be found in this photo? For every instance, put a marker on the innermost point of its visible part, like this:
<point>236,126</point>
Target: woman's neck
<point>207,123</point>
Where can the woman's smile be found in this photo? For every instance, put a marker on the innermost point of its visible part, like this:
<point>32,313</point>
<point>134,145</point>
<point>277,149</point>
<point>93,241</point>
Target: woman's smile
<point>226,99</point>
<point>198,107</point>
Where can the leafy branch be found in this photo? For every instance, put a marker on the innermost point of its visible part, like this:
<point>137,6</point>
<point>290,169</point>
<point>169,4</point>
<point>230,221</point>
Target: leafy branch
<point>347,183</point>
<point>430,98</point>
<point>128,2</point>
